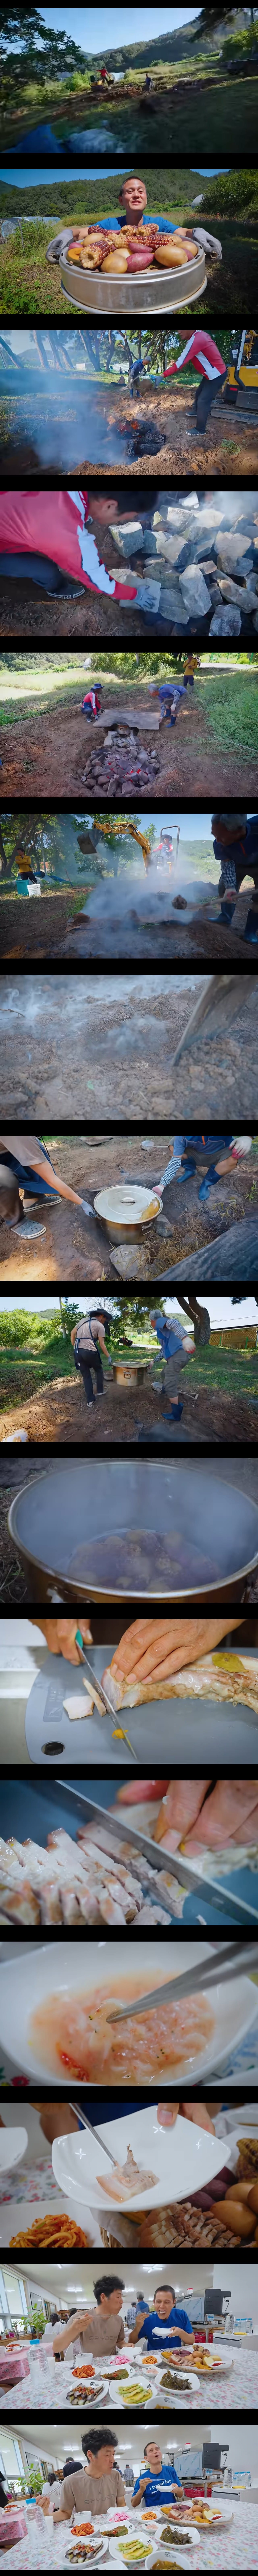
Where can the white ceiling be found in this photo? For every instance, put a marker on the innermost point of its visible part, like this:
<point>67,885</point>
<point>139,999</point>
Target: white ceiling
<point>76,2282</point>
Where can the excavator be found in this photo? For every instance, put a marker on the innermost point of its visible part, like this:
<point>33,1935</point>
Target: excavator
<point>240,384</point>
<point>122,830</point>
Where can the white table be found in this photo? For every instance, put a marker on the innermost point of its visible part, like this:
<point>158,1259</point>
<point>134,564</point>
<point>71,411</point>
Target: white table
<point>50,2385</point>
<point>235,2547</point>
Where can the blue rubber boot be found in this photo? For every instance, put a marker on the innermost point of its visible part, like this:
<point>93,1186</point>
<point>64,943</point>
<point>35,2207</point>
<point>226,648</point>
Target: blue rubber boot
<point>209,1183</point>
<point>173,1413</point>
<point>251,929</point>
<point>188,1174</point>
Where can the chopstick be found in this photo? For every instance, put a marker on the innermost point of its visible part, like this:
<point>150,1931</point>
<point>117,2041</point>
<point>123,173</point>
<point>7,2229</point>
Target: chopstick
<point>94,2133</point>
<point>227,1963</point>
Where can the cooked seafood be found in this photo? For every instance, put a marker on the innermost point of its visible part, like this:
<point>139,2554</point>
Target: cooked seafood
<point>126,2179</point>
<point>73,2035</point>
<point>76,1881</point>
<point>217,1676</point>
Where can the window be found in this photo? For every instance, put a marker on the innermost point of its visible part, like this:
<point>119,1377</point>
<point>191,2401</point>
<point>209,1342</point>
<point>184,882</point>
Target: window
<point>13,2302</point>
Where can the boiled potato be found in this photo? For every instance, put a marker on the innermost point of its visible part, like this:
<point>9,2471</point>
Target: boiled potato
<point>253,2197</point>
<point>240,2190</point>
<point>118,262</point>
<point>167,256</point>
<point>235,2216</point>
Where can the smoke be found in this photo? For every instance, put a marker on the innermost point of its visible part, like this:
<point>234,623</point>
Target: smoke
<point>143,897</point>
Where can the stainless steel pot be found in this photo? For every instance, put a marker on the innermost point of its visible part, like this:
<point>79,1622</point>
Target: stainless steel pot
<point>125,1228</point>
<point>155,290</point>
<point>75,1499</point>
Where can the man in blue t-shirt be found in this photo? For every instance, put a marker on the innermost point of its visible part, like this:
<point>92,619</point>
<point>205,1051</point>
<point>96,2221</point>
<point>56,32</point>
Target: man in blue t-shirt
<point>157,2482</point>
<point>173,1341</point>
<point>235,844</point>
<point>166,2324</point>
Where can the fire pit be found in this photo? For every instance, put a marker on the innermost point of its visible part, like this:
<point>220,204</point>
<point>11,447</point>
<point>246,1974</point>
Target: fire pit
<point>154,290</point>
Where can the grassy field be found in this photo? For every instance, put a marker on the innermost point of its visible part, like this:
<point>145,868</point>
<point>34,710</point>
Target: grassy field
<point>19,701</point>
<point>226,1372</point>
<point>26,1369</point>
<point>203,120</point>
<point>231,714</point>
<point>28,284</point>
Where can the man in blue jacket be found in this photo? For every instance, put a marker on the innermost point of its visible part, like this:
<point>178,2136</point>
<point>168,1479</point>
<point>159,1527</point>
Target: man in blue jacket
<point>166,2324</point>
<point>173,1341</point>
<point>158,2481</point>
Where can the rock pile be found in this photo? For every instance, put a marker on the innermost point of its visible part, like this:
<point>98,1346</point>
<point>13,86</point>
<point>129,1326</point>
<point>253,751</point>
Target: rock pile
<point>206,563</point>
<point>119,764</point>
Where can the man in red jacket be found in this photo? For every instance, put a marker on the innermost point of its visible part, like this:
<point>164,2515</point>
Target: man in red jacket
<point>68,559</point>
<point>198,350</point>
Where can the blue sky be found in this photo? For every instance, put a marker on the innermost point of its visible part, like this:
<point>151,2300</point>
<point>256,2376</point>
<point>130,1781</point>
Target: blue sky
<point>92,29</point>
<point>221,1310</point>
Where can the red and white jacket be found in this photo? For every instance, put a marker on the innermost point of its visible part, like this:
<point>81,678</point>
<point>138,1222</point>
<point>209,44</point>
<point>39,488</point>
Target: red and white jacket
<point>201,352</point>
<point>55,524</point>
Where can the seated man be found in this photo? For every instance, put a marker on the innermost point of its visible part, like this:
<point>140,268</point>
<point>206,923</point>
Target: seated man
<point>166,2323</point>
<point>235,844</point>
<point>157,2483</point>
<point>69,559</point>
<point>91,2489</point>
<point>97,2330</point>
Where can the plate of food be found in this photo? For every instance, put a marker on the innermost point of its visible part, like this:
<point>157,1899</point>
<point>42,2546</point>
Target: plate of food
<point>131,2391</point>
<point>59,2028</point>
<point>152,2166</point>
<point>169,2385</point>
<point>136,2550</point>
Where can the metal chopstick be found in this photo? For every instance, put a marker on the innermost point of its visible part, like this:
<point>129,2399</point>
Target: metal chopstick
<point>94,2133</point>
<point>226,1963</point>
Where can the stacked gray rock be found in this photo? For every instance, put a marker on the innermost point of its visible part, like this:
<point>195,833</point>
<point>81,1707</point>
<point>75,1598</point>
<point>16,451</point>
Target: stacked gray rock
<point>207,568</point>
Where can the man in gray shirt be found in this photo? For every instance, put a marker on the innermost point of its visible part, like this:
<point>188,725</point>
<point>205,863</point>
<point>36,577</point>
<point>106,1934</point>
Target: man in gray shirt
<point>97,2330</point>
<point>91,2490</point>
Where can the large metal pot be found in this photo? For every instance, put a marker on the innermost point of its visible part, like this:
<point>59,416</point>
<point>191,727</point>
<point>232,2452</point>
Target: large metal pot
<point>155,290</point>
<point>75,1500</point>
<point>124,1213</point>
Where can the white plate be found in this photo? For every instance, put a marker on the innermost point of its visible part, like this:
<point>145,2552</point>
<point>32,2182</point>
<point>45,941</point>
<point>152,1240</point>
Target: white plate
<point>116,2549</point>
<point>119,2395</point>
<point>73,1967</point>
<point>102,2544</point>
<point>13,2143</point>
<point>185,2160</point>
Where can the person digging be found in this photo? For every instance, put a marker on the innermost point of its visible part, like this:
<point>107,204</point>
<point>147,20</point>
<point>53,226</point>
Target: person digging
<point>176,1349</point>
<point>88,1339</point>
<point>235,844</point>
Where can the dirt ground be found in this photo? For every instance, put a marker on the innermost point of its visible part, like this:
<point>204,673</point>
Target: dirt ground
<point>227,443</point>
<point>78,427</point>
<point>73,1247</point>
<point>58,1044</point>
<point>49,755</point>
<point>56,930</point>
<point>59,1414</point>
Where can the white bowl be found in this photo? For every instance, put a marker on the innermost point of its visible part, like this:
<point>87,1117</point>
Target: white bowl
<point>13,2143</point>
<point>185,2159</point>
<point>71,1967</point>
